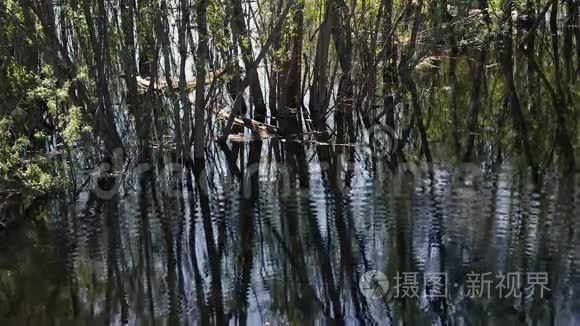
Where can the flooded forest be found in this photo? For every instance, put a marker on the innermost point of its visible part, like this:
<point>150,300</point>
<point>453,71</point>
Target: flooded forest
<point>237,162</point>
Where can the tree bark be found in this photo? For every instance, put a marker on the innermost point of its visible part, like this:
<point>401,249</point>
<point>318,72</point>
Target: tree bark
<point>202,54</point>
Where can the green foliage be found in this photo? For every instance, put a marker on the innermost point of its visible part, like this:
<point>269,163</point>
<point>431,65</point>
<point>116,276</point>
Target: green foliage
<point>48,91</point>
<point>15,161</point>
<point>20,158</point>
<point>68,117</point>
<point>215,21</point>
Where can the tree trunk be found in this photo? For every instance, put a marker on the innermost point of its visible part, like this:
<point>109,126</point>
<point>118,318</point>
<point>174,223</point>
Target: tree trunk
<point>183,35</point>
<point>319,91</point>
<point>291,94</point>
<point>242,36</point>
<point>202,54</point>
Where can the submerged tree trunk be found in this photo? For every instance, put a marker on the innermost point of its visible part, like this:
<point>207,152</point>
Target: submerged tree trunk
<point>168,67</point>
<point>475,105</point>
<point>138,106</point>
<point>389,63</point>
<point>319,91</point>
<point>560,101</point>
<point>291,92</point>
<point>202,54</point>
<point>342,35</point>
<point>511,97</point>
<point>242,36</point>
<point>183,54</point>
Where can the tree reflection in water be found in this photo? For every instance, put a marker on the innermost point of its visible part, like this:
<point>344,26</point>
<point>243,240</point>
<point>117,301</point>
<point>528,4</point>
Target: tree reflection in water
<point>248,237</point>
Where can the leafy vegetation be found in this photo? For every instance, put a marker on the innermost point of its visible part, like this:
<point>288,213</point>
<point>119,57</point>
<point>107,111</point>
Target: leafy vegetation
<point>488,78</point>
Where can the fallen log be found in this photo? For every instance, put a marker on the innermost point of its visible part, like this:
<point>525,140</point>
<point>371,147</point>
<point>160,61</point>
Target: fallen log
<point>249,123</point>
<point>161,85</point>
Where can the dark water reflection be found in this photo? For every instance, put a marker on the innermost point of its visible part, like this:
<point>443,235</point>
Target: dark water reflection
<point>284,236</point>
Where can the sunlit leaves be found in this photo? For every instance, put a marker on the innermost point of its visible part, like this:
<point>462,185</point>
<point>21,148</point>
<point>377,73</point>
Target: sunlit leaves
<point>14,166</point>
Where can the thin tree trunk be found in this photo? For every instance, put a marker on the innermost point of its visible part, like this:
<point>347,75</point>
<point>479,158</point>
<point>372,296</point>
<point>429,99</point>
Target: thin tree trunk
<point>319,90</point>
<point>244,42</point>
<point>168,67</point>
<point>511,97</point>
<point>291,94</point>
<point>475,105</point>
<point>389,64</point>
<point>202,54</point>
<point>183,53</point>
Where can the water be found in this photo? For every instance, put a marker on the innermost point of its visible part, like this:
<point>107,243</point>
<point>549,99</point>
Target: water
<point>287,241</point>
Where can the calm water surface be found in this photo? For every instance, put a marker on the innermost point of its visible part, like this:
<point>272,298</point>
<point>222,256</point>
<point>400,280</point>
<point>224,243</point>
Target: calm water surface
<point>265,237</point>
